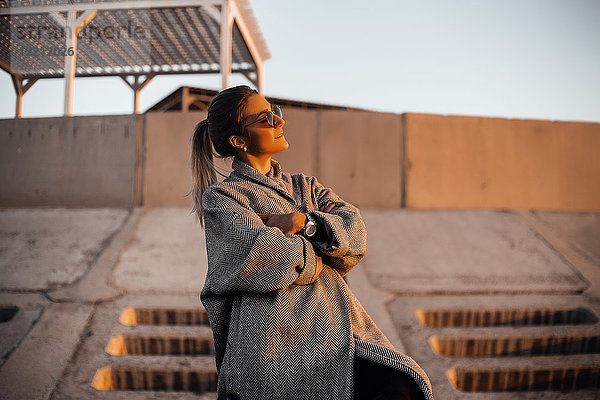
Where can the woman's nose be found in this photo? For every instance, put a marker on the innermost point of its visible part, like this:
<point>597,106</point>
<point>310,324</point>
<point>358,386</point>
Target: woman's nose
<point>278,121</point>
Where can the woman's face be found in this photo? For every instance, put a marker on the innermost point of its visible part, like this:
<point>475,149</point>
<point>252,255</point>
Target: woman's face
<point>263,138</point>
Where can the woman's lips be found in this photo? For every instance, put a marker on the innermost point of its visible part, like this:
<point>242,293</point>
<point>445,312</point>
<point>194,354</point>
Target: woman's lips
<point>279,136</point>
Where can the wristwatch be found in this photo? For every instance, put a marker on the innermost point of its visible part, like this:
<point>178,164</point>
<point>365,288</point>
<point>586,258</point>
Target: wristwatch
<point>310,228</point>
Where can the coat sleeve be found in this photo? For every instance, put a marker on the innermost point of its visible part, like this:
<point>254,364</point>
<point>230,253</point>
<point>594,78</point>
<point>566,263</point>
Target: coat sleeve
<point>246,255</point>
<point>346,236</point>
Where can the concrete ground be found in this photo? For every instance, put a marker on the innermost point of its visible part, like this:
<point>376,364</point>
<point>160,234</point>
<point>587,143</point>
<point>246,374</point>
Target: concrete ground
<point>94,299</point>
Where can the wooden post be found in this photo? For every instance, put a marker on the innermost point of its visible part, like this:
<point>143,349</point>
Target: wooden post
<point>259,76</point>
<point>70,60</point>
<point>137,87</point>
<point>226,27</point>
<point>21,89</point>
<point>72,25</point>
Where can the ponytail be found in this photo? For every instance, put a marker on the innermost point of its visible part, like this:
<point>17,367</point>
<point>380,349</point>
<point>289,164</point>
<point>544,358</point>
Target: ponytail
<point>224,119</point>
<point>203,168</point>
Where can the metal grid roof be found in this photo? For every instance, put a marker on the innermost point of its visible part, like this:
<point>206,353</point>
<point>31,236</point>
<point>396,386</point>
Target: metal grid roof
<point>123,41</point>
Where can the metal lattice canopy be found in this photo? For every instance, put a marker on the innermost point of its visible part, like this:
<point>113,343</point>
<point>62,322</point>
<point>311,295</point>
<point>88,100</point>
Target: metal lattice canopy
<point>135,40</point>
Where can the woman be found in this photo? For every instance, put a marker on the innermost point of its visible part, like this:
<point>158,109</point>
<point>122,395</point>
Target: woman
<point>285,324</point>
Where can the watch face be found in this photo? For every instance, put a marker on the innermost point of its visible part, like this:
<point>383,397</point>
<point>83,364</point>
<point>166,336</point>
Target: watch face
<point>311,230</point>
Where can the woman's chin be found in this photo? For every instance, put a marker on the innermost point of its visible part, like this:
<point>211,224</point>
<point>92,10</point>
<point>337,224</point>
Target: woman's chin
<point>285,144</point>
<point>282,145</point>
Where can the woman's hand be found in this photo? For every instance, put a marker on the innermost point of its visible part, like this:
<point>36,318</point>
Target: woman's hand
<point>287,223</point>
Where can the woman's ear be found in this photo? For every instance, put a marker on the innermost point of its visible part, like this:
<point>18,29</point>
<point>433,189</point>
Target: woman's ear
<point>236,142</point>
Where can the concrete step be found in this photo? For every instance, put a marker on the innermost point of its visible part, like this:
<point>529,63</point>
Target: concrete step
<point>199,380</point>
<point>503,347</point>
<point>144,347</point>
<point>516,344</point>
<point>156,344</point>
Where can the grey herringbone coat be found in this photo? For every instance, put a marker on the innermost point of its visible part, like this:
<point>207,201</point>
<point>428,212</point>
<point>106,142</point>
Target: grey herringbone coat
<point>285,324</point>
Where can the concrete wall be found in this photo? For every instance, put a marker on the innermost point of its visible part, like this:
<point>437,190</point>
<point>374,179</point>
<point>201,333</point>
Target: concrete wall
<point>360,157</point>
<point>370,159</point>
<point>302,131</point>
<point>358,154</point>
<point>474,162</point>
<point>167,177</point>
<point>72,161</point>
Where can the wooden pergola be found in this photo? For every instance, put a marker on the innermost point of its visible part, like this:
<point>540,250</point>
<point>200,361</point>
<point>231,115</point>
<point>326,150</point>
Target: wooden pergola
<point>133,39</point>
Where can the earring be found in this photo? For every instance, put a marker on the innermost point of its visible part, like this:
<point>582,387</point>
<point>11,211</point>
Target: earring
<point>245,148</point>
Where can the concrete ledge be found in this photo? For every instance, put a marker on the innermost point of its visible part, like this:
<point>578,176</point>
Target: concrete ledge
<point>94,286</point>
<point>50,248</point>
<point>575,236</point>
<point>462,251</point>
<point>170,246</point>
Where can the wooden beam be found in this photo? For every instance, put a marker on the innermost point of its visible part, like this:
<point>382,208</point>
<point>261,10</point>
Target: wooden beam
<point>136,93</point>
<point>246,34</point>
<point>248,38</point>
<point>213,12</point>
<point>20,90</point>
<point>259,78</point>
<point>225,48</point>
<point>29,84</point>
<point>185,99</point>
<point>70,61</point>
<point>117,5</point>
<point>72,25</point>
<point>8,68</point>
<point>84,19</point>
<point>137,87</point>
<point>18,85</point>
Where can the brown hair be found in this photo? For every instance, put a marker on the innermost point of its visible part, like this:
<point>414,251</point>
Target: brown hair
<point>224,119</point>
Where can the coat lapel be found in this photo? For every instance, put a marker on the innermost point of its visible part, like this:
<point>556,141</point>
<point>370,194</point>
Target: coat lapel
<point>274,179</point>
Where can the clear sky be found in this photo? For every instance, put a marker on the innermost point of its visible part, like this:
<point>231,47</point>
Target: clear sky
<point>510,58</point>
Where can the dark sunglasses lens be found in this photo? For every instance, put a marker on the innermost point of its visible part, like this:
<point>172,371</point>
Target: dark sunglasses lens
<point>270,118</point>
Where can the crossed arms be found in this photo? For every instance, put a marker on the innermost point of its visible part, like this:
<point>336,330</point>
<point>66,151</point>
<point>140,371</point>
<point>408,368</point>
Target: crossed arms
<point>263,252</point>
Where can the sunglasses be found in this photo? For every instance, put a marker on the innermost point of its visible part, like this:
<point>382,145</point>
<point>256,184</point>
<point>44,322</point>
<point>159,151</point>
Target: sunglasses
<point>269,116</point>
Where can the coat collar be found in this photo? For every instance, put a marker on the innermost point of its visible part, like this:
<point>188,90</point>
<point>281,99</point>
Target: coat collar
<point>274,179</point>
